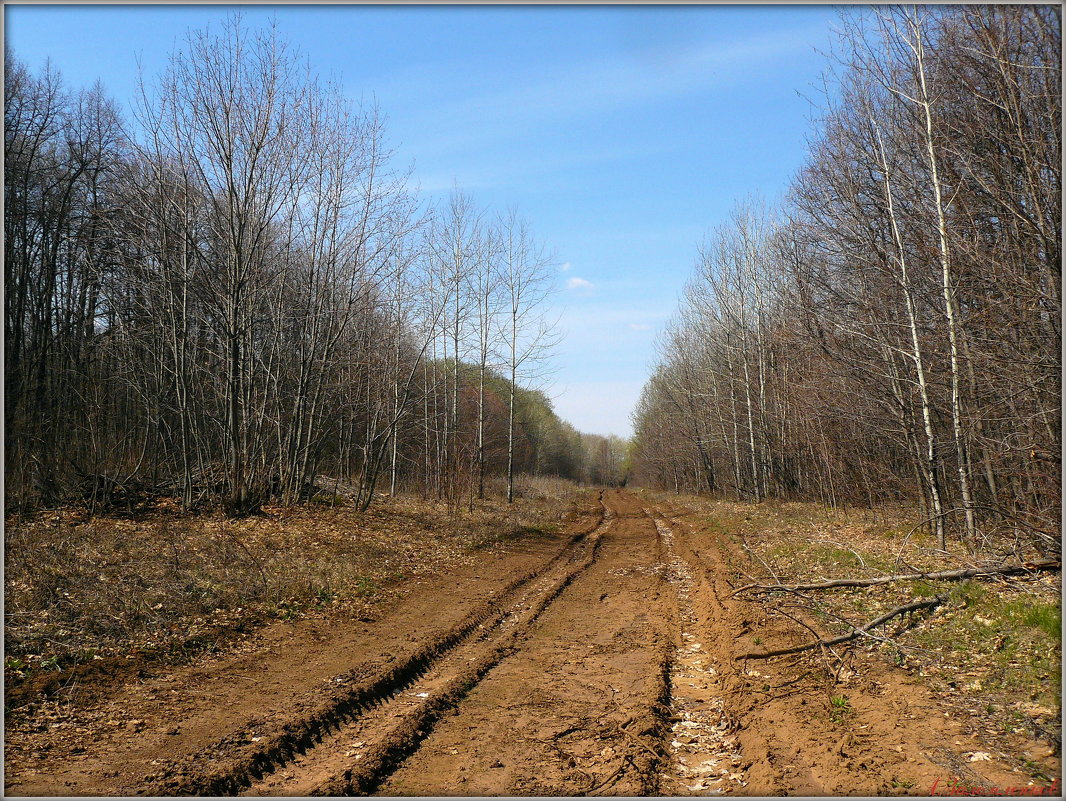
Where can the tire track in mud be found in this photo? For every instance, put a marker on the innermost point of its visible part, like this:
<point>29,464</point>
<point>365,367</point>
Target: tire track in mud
<point>315,752</point>
<point>703,753</point>
<point>377,744</point>
<point>579,707</point>
<point>244,757</point>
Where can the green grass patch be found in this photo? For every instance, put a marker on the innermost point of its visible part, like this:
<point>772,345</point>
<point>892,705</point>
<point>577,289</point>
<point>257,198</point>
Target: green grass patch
<point>924,589</point>
<point>839,708</point>
<point>1011,644</point>
<point>1036,616</point>
<point>825,559</point>
<point>365,587</point>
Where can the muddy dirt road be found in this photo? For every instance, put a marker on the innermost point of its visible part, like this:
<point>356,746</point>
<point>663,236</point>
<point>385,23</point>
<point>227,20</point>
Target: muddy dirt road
<point>598,661</point>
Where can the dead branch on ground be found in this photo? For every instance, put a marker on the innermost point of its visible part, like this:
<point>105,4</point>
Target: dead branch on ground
<point>857,631</point>
<point>943,575</point>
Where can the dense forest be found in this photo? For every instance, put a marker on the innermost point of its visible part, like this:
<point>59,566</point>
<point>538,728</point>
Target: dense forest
<point>235,295</point>
<point>893,330</point>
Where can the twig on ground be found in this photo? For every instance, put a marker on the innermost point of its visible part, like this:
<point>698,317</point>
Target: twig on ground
<point>772,687</point>
<point>943,575</point>
<point>754,555</point>
<point>856,631</point>
<point>626,760</point>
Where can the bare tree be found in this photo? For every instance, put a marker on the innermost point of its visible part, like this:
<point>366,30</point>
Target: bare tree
<point>899,336</point>
<point>526,331</point>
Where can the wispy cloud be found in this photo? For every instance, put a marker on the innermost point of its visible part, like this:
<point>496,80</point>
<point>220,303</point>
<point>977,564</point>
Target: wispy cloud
<point>568,90</point>
<point>599,86</point>
<point>608,317</point>
<point>565,267</point>
<point>579,283</point>
<point>474,164</point>
<point>443,183</point>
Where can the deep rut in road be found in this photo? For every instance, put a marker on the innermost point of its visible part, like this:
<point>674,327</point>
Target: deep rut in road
<point>704,757</point>
<point>383,710</point>
<point>389,730</point>
<point>579,707</point>
<point>622,695</point>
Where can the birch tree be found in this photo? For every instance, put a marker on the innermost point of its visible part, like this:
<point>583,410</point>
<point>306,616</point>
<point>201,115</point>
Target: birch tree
<point>526,331</point>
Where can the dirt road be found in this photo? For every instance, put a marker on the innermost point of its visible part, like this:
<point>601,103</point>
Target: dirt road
<point>596,661</point>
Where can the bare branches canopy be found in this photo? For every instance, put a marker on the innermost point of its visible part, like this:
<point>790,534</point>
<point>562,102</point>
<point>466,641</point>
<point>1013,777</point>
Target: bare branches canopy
<point>235,293</point>
<point>894,330</point>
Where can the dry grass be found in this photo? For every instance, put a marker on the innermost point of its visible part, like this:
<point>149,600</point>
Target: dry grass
<point>993,649</point>
<point>542,488</point>
<point>81,588</point>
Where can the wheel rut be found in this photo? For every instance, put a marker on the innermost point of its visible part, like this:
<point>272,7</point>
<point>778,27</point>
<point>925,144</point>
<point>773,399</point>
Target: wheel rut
<point>578,707</point>
<point>354,741</point>
<point>703,753</point>
<point>586,674</point>
<point>246,758</point>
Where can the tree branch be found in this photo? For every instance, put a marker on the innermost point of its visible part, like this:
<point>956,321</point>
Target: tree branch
<point>856,631</point>
<point>943,575</point>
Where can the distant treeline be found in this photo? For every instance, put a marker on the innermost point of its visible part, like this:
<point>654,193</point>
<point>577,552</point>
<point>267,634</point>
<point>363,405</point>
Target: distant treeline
<point>235,291</point>
<point>893,331</point>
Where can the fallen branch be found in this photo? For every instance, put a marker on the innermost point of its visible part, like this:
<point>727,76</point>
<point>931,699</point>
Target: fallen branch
<point>857,631</point>
<point>943,575</point>
<point>626,760</point>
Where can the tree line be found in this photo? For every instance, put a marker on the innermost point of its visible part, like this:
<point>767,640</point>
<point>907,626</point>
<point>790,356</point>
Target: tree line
<point>892,331</point>
<point>234,293</point>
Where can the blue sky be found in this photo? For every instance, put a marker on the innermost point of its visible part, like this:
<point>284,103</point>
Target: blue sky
<point>622,133</point>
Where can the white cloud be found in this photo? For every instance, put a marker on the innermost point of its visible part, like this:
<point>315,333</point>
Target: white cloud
<point>579,283</point>
<point>565,267</point>
<point>639,327</point>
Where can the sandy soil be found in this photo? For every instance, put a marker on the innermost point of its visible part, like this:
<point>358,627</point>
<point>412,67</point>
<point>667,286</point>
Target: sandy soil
<point>599,661</point>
